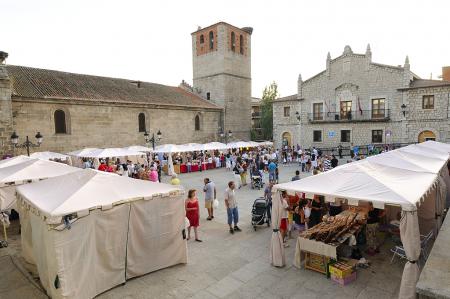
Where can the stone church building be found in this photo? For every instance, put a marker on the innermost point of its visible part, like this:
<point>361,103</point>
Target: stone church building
<point>74,111</point>
<point>360,102</point>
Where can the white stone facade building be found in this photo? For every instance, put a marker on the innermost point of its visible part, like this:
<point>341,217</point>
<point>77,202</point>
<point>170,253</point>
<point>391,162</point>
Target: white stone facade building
<point>355,101</point>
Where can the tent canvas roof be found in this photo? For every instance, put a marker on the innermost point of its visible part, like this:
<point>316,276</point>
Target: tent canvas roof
<point>48,156</point>
<point>13,161</point>
<point>105,153</point>
<point>33,169</point>
<point>400,177</point>
<point>88,189</point>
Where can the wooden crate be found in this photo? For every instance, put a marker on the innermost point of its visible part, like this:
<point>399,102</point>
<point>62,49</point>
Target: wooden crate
<point>316,262</point>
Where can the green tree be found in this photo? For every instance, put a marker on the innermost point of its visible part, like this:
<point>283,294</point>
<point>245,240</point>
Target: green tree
<point>270,93</point>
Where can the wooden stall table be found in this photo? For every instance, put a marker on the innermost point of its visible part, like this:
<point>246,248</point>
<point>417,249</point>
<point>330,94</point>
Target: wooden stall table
<point>313,251</point>
<point>176,168</point>
<point>194,167</point>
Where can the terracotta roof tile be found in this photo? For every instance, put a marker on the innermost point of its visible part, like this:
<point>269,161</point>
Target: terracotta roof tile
<point>41,83</point>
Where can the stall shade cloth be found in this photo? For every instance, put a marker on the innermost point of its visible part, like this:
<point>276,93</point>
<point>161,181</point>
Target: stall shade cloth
<point>88,189</point>
<point>82,152</point>
<point>399,178</point>
<point>109,152</point>
<point>139,148</point>
<point>277,255</point>
<point>13,161</point>
<point>33,169</point>
<point>410,236</point>
<point>49,156</point>
<point>140,233</point>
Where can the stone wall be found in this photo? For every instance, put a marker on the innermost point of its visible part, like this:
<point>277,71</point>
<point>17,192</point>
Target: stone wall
<point>226,76</point>
<point>5,112</point>
<point>109,126</point>
<point>356,78</point>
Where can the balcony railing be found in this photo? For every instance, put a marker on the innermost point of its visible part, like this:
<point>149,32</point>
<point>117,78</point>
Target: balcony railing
<point>256,114</point>
<point>359,115</point>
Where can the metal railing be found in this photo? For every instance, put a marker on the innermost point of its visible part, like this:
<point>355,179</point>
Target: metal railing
<point>350,116</point>
<point>362,149</point>
<point>256,114</point>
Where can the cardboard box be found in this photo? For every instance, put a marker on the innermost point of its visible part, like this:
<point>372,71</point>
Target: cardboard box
<point>344,281</point>
<point>341,270</point>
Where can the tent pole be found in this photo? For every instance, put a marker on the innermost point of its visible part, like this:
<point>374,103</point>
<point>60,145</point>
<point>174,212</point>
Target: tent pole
<point>4,233</point>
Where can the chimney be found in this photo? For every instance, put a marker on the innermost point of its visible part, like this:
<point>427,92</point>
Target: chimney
<point>446,73</point>
<point>3,56</point>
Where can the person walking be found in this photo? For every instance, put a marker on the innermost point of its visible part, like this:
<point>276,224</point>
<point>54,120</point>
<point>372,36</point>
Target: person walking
<point>232,207</point>
<point>272,168</point>
<point>210,196</point>
<point>192,213</point>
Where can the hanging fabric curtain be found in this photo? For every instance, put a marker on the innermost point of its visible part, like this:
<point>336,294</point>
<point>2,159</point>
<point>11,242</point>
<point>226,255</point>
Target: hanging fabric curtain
<point>410,236</point>
<point>277,256</point>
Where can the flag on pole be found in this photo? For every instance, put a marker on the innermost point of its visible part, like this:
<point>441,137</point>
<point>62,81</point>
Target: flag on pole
<point>359,107</point>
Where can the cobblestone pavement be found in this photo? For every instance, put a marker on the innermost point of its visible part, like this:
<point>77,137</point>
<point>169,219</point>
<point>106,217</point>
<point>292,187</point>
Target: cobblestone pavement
<point>237,266</point>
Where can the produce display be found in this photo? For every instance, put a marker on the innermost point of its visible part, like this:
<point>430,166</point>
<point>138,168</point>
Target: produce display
<point>336,229</point>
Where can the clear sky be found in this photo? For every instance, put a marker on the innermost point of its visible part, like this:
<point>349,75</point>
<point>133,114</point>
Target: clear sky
<point>151,41</point>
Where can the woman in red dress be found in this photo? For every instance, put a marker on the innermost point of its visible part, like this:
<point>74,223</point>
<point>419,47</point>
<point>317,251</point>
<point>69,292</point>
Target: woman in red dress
<point>192,213</point>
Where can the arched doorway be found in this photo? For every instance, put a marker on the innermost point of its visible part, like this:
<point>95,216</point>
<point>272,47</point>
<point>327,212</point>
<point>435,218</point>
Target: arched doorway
<point>286,139</point>
<point>426,135</point>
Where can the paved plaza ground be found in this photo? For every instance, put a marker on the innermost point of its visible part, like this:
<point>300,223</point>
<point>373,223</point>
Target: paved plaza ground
<point>236,266</point>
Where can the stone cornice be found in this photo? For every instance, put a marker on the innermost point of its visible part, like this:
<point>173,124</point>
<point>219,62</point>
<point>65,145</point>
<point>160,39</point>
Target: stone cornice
<point>110,103</point>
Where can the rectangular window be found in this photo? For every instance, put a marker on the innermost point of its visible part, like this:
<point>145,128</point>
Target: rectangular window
<point>318,111</point>
<point>345,135</point>
<point>287,111</point>
<point>208,96</point>
<point>346,110</point>
<point>428,102</point>
<point>317,136</point>
<point>378,108</point>
<point>377,136</point>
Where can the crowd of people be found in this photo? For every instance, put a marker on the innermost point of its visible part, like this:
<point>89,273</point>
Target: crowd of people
<point>247,166</point>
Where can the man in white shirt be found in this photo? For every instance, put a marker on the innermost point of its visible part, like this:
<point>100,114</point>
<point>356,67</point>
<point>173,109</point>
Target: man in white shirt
<point>232,207</point>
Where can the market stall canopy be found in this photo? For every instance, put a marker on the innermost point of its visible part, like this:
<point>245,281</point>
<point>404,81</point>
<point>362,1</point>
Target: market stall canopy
<point>13,161</point>
<point>400,177</point>
<point>191,147</point>
<point>266,143</point>
<point>139,148</point>
<point>82,152</point>
<point>109,152</point>
<point>214,146</point>
<point>33,169</point>
<point>168,148</point>
<point>49,156</point>
<point>88,189</point>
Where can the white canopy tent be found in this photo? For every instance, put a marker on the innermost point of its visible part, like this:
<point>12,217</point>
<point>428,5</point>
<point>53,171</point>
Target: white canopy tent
<point>110,152</point>
<point>403,177</point>
<point>49,156</point>
<point>13,161</point>
<point>139,148</point>
<point>82,152</point>
<point>26,171</point>
<point>91,231</point>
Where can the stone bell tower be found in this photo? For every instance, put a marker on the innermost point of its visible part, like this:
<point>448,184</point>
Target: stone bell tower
<point>6,120</point>
<point>221,55</point>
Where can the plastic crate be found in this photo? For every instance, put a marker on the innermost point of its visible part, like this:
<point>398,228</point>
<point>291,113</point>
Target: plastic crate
<point>340,269</point>
<point>344,281</point>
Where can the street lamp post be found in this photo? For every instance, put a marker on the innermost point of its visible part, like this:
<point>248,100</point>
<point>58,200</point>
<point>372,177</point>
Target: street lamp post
<point>226,135</point>
<point>27,144</point>
<point>153,139</point>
